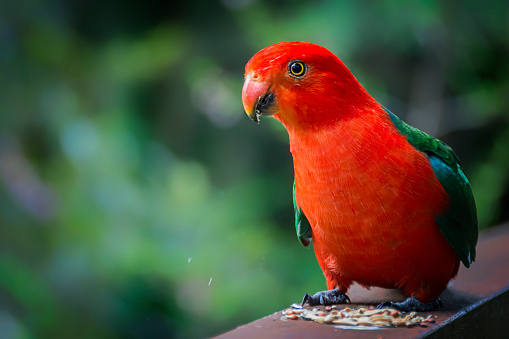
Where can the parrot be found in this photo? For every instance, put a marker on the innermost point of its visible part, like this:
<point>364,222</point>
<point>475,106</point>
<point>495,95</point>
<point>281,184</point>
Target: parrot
<point>383,203</point>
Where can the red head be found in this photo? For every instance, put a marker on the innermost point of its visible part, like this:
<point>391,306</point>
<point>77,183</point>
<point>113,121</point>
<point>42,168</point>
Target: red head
<point>302,84</point>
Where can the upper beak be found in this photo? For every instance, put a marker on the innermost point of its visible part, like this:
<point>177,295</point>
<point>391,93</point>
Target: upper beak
<point>257,98</point>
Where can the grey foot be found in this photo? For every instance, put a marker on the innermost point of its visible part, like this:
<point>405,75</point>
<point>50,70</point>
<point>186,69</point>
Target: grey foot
<point>330,297</point>
<point>413,304</point>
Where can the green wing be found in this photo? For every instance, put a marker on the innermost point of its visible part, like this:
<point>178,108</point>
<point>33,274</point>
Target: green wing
<point>302,225</point>
<point>459,223</point>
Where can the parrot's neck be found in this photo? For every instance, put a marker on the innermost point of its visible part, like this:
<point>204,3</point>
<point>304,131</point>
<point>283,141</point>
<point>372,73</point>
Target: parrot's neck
<point>351,139</point>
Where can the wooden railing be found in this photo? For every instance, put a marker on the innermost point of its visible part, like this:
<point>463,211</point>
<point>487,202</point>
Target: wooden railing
<point>476,304</point>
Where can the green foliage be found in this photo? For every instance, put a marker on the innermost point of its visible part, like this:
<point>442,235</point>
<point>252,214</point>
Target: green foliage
<point>138,201</point>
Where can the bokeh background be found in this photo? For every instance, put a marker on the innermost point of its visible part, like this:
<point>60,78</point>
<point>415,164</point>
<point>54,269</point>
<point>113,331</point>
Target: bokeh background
<point>136,198</point>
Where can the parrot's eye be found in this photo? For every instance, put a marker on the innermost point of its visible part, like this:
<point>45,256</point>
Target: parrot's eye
<point>297,68</point>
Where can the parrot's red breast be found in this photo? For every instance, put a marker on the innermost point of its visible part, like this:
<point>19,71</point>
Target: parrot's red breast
<point>373,224</point>
<point>371,198</point>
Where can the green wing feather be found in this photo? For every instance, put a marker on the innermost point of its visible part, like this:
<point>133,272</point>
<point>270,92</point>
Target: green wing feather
<point>302,226</point>
<point>459,223</point>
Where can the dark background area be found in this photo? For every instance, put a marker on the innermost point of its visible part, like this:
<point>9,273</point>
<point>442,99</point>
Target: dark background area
<point>136,198</point>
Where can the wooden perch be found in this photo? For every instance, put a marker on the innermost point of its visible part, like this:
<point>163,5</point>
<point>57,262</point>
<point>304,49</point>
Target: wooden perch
<point>476,304</point>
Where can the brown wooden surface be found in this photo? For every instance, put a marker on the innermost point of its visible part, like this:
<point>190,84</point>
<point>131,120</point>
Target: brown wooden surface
<point>476,304</point>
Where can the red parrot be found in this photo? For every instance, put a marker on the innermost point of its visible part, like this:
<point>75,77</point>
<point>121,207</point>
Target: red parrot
<point>384,203</point>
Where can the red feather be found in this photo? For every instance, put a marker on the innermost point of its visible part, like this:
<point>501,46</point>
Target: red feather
<point>371,198</point>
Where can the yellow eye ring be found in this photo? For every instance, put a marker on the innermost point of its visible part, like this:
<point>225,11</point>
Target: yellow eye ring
<point>297,68</point>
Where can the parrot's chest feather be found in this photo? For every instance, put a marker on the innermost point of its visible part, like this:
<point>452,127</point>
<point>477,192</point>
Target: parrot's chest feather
<point>356,168</point>
<point>361,182</point>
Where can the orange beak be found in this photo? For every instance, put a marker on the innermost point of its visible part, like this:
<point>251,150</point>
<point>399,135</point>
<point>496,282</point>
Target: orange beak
<point>257,98</point>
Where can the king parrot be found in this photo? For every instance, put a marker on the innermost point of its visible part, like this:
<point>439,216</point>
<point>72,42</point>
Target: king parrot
<point>384,203</point>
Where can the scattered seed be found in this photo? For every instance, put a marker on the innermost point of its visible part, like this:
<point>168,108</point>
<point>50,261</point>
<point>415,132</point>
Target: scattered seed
<point>380,318</point>
<point>345,322</point>
<point>329,319</point>
<point>362,316</point>
<point>399,323</point>
<point>372,312</point>
<point>394,313</point>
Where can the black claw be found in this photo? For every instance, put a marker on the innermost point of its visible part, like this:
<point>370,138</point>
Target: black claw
<point>305,298</point>
<point>413,304</point>
<point>385,304</point>
<point>330,297</point>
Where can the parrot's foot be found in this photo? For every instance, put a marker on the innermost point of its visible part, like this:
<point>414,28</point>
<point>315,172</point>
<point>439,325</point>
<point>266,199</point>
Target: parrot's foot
<point>330,297</point>
<point>413,304</point>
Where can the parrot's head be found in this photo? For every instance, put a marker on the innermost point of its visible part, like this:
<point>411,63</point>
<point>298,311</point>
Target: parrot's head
<point>298,83</point>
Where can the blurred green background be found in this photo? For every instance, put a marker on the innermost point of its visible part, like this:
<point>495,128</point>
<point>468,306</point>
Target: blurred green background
<point>136,198</point>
